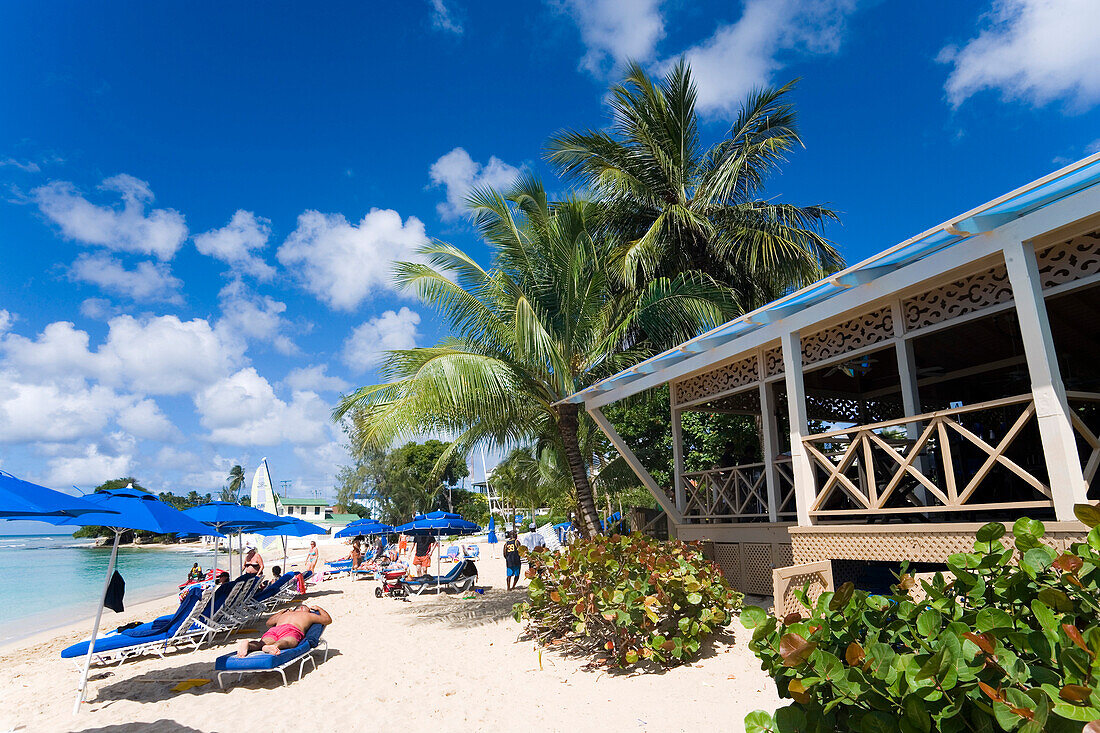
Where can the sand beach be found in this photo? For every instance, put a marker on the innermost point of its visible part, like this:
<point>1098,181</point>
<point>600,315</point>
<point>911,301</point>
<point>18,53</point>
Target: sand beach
<point>450,663</point>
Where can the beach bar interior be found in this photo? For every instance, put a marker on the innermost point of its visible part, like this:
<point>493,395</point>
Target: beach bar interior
<point>949,381</point>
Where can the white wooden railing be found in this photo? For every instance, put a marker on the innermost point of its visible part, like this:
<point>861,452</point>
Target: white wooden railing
<point>859,470</point>
<point>738,493</point>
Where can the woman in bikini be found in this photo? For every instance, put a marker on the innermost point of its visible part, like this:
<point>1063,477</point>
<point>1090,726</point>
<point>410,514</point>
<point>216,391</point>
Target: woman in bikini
<point>311,558</point>
<point>286,630</point>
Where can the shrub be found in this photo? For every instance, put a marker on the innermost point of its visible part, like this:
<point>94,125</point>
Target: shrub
<point>1008,640</point>
<point>629,595</point>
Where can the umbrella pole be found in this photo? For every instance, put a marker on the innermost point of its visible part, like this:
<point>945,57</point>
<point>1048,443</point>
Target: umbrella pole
<point>95,627</point>
<point>284,554</point>
<point>214,583</point>
<point>438,554</point>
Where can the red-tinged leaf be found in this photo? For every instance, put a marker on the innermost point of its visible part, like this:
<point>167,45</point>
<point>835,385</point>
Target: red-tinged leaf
<point>854,654</point>
<point>609,646</point>
<point>1075,636</point>
<point>792,618</point>
<point>668,645</point>
<point>1072,580</point>
<point>906,582</point>
<point>795,650</point>
<point>798,692</point>
<point>990,692</point>
<point>814,628</point>
<point>1076,694</point>
<point>1091,727</point>
<point>1023,712</point>
<point>985,641</point>
<point>555,596</point>
<point>1068,563</point>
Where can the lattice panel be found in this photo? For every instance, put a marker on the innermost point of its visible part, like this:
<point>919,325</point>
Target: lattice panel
<point>728,557</point>
<point>789,604</point>
<point>1071,260</point>
<point>930,546</point>
<point>773,361</point>
<point>845,410</point>
<point>957,298</point>
<point>783,555</point>
<point>843,338</point>
<point>757,564</point>
<point>723,379</point>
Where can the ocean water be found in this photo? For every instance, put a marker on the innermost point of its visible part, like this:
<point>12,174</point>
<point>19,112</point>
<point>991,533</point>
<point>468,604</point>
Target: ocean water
<point>50,580</point>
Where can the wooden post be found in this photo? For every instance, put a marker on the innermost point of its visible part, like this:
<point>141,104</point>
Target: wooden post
<point>804,489</point>
<point>1067,483</point>
<point>677,454</point>
<point>910,393</point>
<point>770,448</point>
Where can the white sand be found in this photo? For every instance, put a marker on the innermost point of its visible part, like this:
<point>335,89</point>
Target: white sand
<point>445,664</point>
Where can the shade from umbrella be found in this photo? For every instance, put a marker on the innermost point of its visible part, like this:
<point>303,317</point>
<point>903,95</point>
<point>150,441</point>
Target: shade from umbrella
<point>121,510</point>
<point>438,524</point>
<point>21,499</point>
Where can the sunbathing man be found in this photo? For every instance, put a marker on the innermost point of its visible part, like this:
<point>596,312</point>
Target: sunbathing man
<point>286,630</point>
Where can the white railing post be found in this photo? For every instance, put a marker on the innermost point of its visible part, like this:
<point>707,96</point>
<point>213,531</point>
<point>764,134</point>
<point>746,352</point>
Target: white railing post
<point>770,448</point>
<point>804,490</point>
<point>677,453</point>
<point>1067,483</point>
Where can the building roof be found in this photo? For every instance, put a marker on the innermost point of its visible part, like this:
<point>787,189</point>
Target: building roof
<point>303,502</point>
<point>345,518</point>
<point>957,230</point>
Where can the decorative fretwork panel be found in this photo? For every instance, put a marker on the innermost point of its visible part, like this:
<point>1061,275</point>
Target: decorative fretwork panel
<point>867,329</point>
<point>747,402</point>
<point>773,361</point>
<point>1071,260</point>
<point>723,379</point>
<point>980,290</point>
<point>845,409</point>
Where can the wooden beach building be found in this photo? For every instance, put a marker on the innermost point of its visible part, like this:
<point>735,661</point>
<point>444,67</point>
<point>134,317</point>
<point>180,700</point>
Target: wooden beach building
<point>948,381</point>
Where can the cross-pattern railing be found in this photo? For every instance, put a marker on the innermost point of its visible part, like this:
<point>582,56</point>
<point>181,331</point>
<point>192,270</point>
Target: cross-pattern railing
<point>984,456</point>
<point>738,493</point>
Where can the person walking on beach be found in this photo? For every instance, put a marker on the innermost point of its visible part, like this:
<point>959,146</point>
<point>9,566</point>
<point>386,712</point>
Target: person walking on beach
<point>311,558</point>
<point>423,544</point>
<point>286,629</point>
<point>512,561</point>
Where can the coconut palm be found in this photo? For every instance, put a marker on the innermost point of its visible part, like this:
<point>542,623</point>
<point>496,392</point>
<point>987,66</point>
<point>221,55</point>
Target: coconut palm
<point>681,207</point>
<point>232,491</point>
<point>547,320</point>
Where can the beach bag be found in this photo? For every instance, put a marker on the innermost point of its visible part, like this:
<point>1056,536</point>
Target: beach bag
<point>301,584</point>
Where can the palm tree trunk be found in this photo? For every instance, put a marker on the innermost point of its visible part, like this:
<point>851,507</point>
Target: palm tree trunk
<point>586,503</point>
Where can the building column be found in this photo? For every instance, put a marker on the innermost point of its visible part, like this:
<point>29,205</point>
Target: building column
<point>1067,483</point>
<point>804,489</point>
<point>769,439</point>
<point>677,456</point>
<point>910,393</point>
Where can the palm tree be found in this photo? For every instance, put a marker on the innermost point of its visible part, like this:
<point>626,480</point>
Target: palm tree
<point>679,207</point>
<point>232,491</point>
<point>546,321</point>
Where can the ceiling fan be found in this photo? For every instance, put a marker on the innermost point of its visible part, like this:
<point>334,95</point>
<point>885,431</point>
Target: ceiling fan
<point>852,367</point>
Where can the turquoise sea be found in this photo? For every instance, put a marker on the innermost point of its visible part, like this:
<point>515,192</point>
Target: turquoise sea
<point>51,580</point>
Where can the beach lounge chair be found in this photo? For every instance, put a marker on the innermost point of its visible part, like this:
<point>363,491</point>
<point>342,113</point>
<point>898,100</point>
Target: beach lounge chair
<point>290,591</point>
<point>175,630</point>
<point>269,596</point>
<point>261,662</point>
<point>462,576</point>
<point>471,552</point>
<point>453,554</point>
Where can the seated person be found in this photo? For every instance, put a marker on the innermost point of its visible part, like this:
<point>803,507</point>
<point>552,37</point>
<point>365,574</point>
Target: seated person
<point>195,574</point>
<point>223,577</point>
<point>286,629</point>
<point>276,571</point>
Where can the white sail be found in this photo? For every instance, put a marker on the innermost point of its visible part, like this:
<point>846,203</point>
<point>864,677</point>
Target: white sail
<point>263,498</point>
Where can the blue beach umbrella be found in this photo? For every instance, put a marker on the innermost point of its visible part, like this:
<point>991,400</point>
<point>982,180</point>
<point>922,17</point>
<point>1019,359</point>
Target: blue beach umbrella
<point>120,510</point>
<point>231,518</point>
<point>438,523</point>
<point>21,499</point>
<point>365,527</point>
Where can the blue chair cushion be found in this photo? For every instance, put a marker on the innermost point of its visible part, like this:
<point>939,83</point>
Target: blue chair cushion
<point>109,643</point>
<point>276,586</point>
<point>232,663</point>
<point>157,630</point>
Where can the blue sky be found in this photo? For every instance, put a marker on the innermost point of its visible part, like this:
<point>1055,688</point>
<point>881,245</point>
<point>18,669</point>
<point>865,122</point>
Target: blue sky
<point>200,202</point>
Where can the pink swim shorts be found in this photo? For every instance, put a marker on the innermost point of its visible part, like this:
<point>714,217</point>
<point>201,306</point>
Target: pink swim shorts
<point>284,630</point>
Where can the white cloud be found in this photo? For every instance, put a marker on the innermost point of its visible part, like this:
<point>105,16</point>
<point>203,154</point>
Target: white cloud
<point>343,264</point>
<point>98,309</point>
<point>6,319</point>
<point>28,166</point>
<point>53,411</point>
<point>148,282</point>
<point>1036,51</point>
<point>159,232</point>
<point>615,31</point>
<point>314,378</point>
<point>89,467</point>
<point>238,242</point>
<point>144,420</point>
<point>246,314</point>
<point>460,174</point>
<point>443,19</point>
<point>392,330</point>
<point>243,409</point>
<point>747,54</point>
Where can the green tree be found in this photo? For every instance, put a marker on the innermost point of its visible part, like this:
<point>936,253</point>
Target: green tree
<point>546,321</point>
<point>231,492</point>
<point>680,207</point>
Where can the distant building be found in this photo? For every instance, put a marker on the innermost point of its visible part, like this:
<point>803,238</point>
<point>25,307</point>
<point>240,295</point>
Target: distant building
<point>307,509</point>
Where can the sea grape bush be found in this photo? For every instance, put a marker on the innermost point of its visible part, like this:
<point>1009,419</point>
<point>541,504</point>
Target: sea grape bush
<point>629,596</point>
<point>1008,640</point>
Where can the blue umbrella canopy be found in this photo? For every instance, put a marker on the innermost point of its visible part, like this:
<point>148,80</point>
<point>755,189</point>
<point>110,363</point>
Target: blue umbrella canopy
<point>364,527</point>
<point>21,499</point>
<point>436,523</point>
<point>293,528</point>
<point>128,508</point>
<point>234,517</point>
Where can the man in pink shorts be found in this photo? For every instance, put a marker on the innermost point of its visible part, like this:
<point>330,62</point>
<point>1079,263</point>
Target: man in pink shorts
<point>286,629</point>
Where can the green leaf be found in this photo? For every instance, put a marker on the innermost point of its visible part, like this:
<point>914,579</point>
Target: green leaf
<point>759,721</point>
<point>1056,599</point>
<point>1036,560</point>
<point>990,532</point>
<point>915,713</point>
<point>928,623</point>
<point>1031,528</point>
<point>790,719</point>
<point>877,722</point>
<point>753,616</point>
<point>1044,616</point>
<point>1087,514</point>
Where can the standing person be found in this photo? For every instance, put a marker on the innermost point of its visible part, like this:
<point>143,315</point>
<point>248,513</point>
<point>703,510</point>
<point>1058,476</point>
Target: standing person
<point>311,558</point>
<point>491,538</point>
<point>253,563</point>
<point>512,560</point>
<point>533,539</point>
<point>356,553</point>
<point>402,545</point>
<point>423,544</point>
